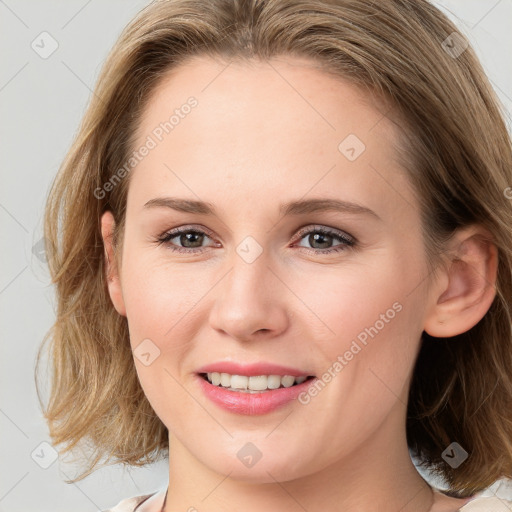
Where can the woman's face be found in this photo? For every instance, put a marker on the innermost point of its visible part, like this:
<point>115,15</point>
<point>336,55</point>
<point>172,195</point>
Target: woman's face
<point>258,282</point>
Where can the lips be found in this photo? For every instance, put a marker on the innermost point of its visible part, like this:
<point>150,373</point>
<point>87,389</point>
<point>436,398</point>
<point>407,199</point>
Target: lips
<point>252,404</point>
<point>253,369</point>
<point>242,401</point>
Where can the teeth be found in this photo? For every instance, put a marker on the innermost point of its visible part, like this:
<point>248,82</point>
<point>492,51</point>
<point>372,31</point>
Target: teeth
<point>225,379</point>
<point>273,381</point>
<point>253,383</point>
<point>287,381</point>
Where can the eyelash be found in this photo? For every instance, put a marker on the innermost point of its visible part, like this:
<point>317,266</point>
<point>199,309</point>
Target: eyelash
<point>347,241</point>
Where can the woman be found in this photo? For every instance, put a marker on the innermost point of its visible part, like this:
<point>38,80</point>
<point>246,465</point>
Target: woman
<point>197,314</point>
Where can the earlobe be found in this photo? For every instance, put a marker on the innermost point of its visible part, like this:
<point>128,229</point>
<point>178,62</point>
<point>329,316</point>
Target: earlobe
<point>112,272</point>
<point>468,286</point>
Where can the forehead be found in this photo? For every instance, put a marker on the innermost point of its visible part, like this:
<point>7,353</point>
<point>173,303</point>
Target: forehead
<point>266,95</point>
<point>258,126</point>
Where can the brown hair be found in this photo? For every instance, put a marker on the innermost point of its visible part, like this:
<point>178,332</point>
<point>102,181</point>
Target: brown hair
<point>455,147</point>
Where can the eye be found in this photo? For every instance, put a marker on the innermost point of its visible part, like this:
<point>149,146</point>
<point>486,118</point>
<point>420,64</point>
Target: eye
<point>320,235</point>
<point>191,240</point>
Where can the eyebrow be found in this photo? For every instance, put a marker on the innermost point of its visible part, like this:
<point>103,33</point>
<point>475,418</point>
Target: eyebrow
<point>299,207</point>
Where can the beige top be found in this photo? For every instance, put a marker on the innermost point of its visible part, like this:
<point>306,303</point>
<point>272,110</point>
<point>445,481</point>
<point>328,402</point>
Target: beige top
<point>146,503</point>
<point>154,503</point>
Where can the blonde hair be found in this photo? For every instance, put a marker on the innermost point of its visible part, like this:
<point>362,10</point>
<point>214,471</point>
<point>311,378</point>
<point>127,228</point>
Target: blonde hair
<point>455,148</point>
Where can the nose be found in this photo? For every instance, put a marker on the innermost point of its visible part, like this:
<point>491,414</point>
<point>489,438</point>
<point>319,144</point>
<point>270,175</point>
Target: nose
<point>251,301</point>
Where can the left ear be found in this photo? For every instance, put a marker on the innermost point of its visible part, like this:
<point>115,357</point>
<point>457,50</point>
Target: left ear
<point>467,286</point>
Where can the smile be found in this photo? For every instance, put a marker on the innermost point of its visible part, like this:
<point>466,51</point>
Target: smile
<point>253,383</point>
<point>246,401</point>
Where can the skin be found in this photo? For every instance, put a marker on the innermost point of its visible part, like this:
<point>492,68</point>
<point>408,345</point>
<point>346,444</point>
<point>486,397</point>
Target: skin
<point>264,133</point>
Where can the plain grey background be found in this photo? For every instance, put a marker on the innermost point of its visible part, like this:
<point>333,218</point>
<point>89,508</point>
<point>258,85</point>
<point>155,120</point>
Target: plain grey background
<point>42,100</point>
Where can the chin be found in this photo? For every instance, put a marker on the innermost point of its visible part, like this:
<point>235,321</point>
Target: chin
<point>265,470</point>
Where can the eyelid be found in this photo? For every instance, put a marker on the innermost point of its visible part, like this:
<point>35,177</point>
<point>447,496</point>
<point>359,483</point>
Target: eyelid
<point>188,227</point>
<point>331,231</point>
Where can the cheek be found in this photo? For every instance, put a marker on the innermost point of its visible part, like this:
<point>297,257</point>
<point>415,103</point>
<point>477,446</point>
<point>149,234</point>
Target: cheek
<point>159,298</point>
<point>372,318</point>
<point>345,304</point>
<point>160,306</point>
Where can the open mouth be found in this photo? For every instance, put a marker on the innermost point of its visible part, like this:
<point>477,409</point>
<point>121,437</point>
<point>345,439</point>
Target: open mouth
<point>253,384</point>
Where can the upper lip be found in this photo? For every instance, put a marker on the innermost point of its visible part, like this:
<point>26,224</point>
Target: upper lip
<point>261,368</point>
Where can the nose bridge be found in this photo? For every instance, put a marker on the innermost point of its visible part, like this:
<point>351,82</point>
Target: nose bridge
<point>250,276</point>
<point>248,300</point>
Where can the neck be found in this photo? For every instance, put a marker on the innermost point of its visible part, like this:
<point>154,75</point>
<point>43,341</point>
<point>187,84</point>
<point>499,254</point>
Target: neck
<point>377,475</point>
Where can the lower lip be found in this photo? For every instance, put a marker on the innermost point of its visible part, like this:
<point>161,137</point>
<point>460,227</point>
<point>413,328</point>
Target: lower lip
<point>252,403</point>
